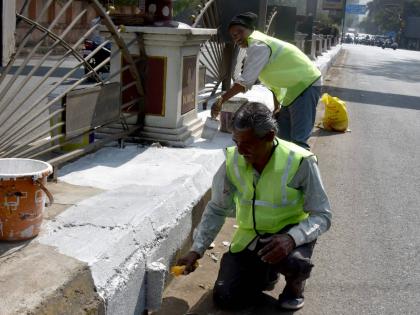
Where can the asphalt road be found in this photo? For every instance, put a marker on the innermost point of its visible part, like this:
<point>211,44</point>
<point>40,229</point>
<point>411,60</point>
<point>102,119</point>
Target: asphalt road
<point>369,261</point>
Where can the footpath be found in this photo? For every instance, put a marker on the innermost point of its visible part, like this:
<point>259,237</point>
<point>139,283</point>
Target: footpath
<point>121,217</point>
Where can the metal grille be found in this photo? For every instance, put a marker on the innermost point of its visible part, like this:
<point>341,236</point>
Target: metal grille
<point>212,52</point>
<point>46,101</point>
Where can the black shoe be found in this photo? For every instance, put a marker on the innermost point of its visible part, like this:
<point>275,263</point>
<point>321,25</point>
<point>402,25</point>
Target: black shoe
<point>291,303</point>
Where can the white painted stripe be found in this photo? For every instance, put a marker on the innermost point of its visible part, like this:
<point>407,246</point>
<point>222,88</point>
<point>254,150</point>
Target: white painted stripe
<point>285,177</point>
<point>262,203</point>
<point>276,53</point>
<point>236,170</point>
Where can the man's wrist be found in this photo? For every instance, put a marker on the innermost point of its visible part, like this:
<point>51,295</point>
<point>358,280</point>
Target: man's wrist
<point>292,240</point>
<point>193,252</point>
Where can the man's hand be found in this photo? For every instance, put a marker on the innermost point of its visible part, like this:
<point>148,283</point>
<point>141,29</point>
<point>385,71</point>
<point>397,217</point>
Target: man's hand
<point>217,107</point>
<point>189,261</point>
<point>278,247</point>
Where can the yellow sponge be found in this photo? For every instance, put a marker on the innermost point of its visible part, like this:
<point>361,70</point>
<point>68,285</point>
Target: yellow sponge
<point>179,270</point>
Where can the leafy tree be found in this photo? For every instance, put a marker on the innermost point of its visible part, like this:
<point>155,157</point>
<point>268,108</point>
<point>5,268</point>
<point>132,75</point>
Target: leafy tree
<point>185,5</point>
<point>299,4</point>
<point>412,8</point>
<point>384,15</point>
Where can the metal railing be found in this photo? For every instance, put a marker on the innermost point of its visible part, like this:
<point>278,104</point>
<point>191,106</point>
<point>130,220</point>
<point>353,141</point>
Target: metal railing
<point>212,51</point>
<point>36,82</point>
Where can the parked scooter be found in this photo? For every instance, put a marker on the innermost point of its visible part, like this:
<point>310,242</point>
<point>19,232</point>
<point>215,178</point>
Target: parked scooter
<point>97,58</point>
<point>389,44</point>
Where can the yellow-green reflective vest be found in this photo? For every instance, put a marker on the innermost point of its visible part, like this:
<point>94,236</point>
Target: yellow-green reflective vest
<point>270,205</point>
<point>288,72</point>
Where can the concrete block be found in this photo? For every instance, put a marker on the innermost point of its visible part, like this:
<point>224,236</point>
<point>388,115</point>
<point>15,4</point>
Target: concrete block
<point>156,272</point>
<point>36,279</point>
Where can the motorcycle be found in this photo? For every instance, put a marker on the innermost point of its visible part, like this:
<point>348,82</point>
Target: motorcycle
<point>389,44</point>
<point>97,58</point>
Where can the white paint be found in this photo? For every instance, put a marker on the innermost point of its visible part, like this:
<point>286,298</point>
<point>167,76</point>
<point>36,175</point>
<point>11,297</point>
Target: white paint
<point>28,232</point>
<point>156,272</point>
<point>39,197</point>
<point>165,11</point>
<point>12,168</point>
<point>11,205</point>
<point>143,214</point>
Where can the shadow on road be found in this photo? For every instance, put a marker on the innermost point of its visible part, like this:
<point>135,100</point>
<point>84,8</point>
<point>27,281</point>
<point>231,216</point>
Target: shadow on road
<point>402,70</point>
<point>325,133</point>
<point>375,98</point>
<point>173,305</point>
<point>266,305</point>
<point>11,247</point>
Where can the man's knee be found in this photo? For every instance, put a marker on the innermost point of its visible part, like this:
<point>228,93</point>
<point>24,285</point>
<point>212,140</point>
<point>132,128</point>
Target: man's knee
<point>298,267</point>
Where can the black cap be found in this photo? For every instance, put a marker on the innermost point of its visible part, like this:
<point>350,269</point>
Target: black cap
<point>246,19</point>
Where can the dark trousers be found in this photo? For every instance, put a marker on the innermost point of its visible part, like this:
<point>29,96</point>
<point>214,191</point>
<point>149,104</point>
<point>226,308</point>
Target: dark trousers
<point>296,121</point>
<point>243,276</point>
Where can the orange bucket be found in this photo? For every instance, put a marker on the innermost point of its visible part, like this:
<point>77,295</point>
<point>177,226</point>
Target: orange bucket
<point>22,197</point>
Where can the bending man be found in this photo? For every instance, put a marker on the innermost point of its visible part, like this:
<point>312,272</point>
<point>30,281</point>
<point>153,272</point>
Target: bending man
<point>285,70</point>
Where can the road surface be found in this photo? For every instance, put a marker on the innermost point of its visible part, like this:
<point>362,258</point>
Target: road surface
<point>369,262</point>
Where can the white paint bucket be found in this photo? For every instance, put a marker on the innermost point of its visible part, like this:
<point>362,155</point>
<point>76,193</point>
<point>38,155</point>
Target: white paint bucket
<point>22,197</point>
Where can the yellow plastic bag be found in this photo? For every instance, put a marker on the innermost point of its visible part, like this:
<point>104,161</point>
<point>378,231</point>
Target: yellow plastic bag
<point>335,115</point>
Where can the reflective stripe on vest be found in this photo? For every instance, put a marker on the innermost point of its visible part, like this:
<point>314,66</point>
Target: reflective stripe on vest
<point>275,205</point>
<point>288,72</point>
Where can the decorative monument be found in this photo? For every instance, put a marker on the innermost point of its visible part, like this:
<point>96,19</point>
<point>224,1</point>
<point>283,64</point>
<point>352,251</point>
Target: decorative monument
<point>171,74</point>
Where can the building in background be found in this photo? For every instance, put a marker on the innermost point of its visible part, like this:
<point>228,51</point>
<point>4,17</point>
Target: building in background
<point>300,5</point>
<point>411,33</point>
<point>34,9</point>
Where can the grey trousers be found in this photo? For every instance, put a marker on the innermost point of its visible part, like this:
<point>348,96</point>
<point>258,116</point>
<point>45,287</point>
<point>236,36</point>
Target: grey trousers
<point>296,121</point>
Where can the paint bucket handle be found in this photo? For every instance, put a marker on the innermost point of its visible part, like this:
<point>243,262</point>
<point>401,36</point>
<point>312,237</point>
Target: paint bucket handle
<point>46,191</point>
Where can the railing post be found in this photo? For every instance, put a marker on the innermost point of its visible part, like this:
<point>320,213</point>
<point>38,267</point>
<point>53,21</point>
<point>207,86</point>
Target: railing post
<point>300,40</point>
<point>318,45</point>
<point>324,43</point>
<point>310,48</point>
<point>227,66</point>
<point>329,42</point>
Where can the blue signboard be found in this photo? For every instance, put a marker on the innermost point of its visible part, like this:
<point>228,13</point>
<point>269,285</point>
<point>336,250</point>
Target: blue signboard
<point>391,34</point>
<point>359,9</point>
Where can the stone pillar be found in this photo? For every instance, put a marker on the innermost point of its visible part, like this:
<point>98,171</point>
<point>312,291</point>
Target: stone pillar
<point>310,48</point>
<point>318,48</point>
<point>329,38</point>
<point>324,43</point>
<point>171,81</point>
<point>300,40</point>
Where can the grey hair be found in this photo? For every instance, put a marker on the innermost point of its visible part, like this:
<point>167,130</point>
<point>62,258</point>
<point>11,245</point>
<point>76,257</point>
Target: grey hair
<point>255,116</point>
